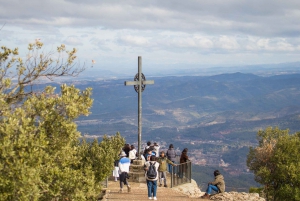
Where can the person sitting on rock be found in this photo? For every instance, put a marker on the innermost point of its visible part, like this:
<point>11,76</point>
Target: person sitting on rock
<point>217,185</point>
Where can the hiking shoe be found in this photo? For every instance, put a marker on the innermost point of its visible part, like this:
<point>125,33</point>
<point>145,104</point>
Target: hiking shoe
<point>166,186</point>
<point>128,189</point>
<point>205,196</point>
<point>160,185</point>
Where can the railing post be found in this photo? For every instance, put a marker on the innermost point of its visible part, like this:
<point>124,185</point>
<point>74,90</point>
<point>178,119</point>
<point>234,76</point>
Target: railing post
<point>172,176</point>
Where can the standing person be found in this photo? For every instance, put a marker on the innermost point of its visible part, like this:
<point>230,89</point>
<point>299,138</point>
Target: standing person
<point>183,165</point>
<point>171,154</point>
<point>217,185</point>
<point>124,164</point>
<point>126,149</point>
<point>132,153</point>
<point>151,168</point>
<point>148,146</point>
<point>162,170</point>
<point>149,153</point>
<point>116,170</point>
<point>156,149</point>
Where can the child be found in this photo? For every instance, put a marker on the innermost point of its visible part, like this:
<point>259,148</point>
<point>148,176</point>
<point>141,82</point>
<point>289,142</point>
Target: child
<point>162,170</point>
<point>116,170</point>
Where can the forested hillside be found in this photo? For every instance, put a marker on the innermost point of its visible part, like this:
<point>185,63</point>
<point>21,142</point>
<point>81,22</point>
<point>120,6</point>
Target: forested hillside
<point>216,117</point>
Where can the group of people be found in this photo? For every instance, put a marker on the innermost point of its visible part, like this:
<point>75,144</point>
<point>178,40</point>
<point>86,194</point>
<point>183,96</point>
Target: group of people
<point>156,166</point>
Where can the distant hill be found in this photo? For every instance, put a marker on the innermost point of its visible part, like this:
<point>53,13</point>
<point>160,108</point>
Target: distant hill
<point>216,117</point>
<point>194,101</point>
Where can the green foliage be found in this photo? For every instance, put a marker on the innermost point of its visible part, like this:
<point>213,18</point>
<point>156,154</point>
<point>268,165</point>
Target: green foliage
<point>101,156</point>
<point>258,190</point>
<point>275,163</point>
<point>41,157</point>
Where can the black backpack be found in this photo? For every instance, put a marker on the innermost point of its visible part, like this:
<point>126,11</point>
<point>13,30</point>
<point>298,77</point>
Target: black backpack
<point>151,172</point>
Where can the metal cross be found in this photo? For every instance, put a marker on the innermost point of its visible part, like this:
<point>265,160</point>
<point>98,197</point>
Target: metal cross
<point>139,84</point>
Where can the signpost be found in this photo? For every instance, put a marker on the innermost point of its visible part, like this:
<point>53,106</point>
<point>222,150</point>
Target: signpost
<point>139,84</point>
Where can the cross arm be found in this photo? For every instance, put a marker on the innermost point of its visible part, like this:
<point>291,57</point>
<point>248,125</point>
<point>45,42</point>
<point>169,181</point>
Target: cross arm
<point>144,82</point>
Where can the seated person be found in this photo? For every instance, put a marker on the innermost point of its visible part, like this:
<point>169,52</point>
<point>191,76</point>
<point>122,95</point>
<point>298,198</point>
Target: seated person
<point>217,185</point>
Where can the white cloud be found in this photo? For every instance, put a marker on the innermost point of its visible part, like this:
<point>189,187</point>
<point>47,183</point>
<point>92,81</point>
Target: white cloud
<point>134,40</point>
<point>204,32</point>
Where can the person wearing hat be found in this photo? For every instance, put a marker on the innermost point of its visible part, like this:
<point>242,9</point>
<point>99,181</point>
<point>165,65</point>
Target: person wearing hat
<point>162,170</point>
<point>124,164</point>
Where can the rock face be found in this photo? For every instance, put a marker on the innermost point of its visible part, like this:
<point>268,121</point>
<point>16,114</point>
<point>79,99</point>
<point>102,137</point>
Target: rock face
<point>192,190</point>
<point>189,189</point>
<point>235,196</point>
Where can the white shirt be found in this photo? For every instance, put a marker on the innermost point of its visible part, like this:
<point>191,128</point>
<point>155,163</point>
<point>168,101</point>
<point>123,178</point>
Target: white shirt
<point>132,154</point>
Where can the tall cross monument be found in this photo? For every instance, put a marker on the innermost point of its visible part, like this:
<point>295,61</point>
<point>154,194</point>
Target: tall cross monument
<point>139,84</point>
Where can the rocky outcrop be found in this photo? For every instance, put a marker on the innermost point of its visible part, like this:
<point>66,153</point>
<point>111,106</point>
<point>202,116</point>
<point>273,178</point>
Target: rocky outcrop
<point>235,196</point>
<point>190,189</point>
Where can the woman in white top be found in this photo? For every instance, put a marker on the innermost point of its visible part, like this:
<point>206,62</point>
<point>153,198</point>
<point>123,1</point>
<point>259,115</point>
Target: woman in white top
<point>132,153</point>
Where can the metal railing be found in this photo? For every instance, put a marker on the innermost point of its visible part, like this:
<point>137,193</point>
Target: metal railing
<point>181,174</point>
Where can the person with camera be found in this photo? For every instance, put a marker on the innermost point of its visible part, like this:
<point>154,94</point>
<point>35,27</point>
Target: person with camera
<point>124,164</point>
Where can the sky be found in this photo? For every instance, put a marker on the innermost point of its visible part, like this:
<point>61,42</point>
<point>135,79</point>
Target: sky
<point>168,34</point>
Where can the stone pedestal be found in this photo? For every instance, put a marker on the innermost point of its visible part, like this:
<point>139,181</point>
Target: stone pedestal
<point>137,172</point>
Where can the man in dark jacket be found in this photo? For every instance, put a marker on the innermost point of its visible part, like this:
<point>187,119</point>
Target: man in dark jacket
<point>217,185</point>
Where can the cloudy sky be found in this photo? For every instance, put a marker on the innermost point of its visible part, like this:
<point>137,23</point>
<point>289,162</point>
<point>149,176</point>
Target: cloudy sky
<point>166,33</point>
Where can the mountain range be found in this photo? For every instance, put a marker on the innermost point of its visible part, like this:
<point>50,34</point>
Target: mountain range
<point>216,117</point>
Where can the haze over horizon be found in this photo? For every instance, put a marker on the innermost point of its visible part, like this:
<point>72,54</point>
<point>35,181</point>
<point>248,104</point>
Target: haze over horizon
<point>167,34</point>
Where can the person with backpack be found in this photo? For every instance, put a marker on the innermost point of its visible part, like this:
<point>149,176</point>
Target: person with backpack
<point>124,164</point>
<point>151,168</point>
<point>162,170</point>
<point>171,154</point>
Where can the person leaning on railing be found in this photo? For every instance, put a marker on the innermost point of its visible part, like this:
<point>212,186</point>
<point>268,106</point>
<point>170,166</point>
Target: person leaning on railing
<point>171,154</point>
<point>162,170</point>
<point>183,161</point>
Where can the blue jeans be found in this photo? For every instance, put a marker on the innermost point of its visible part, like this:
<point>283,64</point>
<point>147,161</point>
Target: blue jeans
<point>170,167</point>
<point>211,187</point>
<point>152,187</point>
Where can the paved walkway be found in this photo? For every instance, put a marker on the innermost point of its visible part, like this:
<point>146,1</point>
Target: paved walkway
<point>139,192</point>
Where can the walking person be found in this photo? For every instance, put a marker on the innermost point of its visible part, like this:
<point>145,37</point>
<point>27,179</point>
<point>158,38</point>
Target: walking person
<point>217,185</point>
<point>124,164</point>
<point>151,168</point>
<point>162,170</point>
<point>171,154</point>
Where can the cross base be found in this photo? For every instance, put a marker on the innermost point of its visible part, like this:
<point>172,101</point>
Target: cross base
<point>137,172</point>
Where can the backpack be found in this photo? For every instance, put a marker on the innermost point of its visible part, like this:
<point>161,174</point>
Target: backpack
<point>151,172</point>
